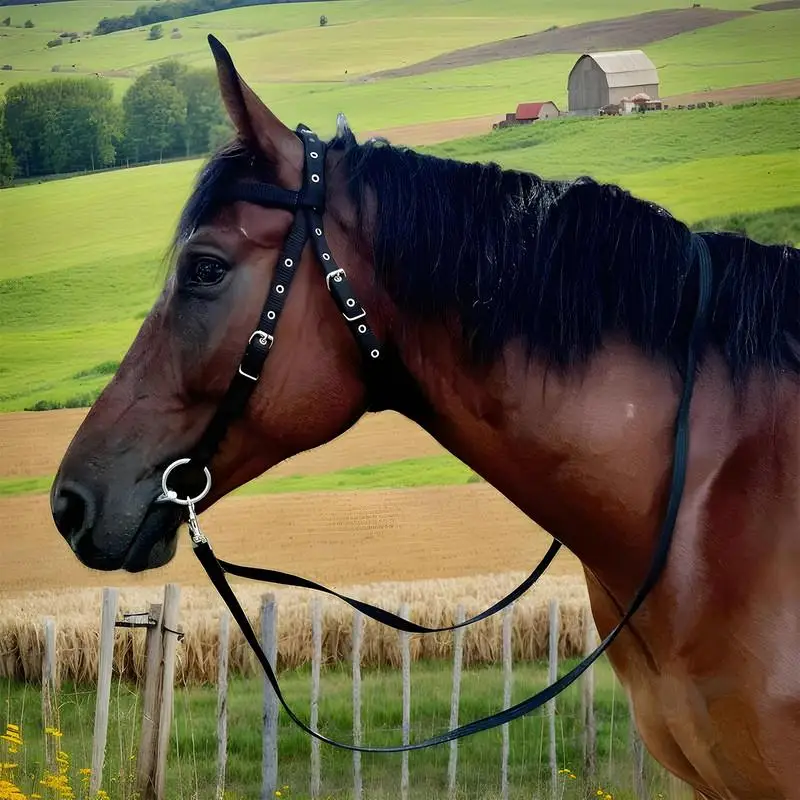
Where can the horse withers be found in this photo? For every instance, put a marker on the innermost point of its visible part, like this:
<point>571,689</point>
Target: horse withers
<point>538,330</point>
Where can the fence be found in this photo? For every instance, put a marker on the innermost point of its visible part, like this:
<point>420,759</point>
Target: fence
<point>162,633</point>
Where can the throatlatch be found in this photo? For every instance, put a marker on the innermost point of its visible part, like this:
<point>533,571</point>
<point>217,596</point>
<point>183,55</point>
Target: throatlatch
<point>308,205</point>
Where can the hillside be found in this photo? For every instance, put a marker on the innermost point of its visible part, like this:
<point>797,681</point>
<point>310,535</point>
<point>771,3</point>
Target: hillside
<point>93,247</point>
<point>82,259</point>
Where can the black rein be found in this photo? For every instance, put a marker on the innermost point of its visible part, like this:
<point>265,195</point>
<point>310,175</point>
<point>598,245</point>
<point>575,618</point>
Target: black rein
<point>308,205</point>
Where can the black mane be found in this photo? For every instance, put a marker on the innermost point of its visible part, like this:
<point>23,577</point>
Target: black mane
<point>557,264</point>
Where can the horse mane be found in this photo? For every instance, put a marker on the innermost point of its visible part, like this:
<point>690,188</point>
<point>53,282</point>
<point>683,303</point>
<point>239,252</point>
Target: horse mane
<point>558,265</point>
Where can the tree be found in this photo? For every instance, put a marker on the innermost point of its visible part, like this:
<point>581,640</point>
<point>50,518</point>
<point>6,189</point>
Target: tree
<point>156,32</point>
<point>155,116</point>
<point>203,124</point>
<point>28,23</point>
<point>8,167</point>
<point>323,21</point>
<point>205,113</point>
<point>7,22</point>
<point>62,125</point>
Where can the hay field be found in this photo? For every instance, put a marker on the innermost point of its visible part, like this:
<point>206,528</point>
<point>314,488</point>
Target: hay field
<point>430,602</point>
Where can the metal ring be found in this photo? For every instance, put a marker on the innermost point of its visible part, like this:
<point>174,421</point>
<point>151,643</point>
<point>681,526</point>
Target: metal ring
<point>169,494</point>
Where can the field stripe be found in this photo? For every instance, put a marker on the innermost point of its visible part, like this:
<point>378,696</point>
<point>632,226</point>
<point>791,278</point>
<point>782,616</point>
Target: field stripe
<point>32,444</point>
<point>407,473</point>
<point>340,537</point>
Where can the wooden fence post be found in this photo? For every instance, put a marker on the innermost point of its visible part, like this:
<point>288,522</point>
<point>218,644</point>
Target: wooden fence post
<point>405,655</point>
<point>170,633</point>
<point>316,665</point>
<point>269,747</point>
<point>222,702</point>
<point>145,760</point>
<point>589,730</point>
<point>50,715</point>
<point>357,635</point>
<point>637,753</point>
<point>108,614</point>
<point>552,675</point>
<point>507,682</point>
<point>458,652</point>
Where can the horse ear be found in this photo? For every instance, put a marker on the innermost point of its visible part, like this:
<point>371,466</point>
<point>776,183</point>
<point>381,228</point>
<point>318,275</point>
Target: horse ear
<point>254,122</point>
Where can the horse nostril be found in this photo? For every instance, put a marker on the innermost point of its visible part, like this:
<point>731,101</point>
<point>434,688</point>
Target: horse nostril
<point>73,512</point>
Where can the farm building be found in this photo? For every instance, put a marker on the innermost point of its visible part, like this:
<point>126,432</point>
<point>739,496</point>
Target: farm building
<point>602,79</point>
<point>528,113</point>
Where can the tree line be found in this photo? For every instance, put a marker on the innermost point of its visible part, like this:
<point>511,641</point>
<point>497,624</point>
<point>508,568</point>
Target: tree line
<point>173,9</point>
<point>74,124</point>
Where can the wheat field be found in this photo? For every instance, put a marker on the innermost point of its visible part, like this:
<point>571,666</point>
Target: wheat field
<point>431,547</point>
<point>430,602</point>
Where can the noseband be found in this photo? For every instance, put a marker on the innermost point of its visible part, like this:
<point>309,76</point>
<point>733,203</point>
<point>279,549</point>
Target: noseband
<point>308,205</point>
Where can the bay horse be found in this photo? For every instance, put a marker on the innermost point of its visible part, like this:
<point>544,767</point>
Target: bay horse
<point>535,328</point>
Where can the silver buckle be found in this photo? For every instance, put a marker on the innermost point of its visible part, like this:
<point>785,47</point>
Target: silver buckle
<point>357,316</point>
<point>338,275</point>
<point>265,340</point>
<point>171,496</point>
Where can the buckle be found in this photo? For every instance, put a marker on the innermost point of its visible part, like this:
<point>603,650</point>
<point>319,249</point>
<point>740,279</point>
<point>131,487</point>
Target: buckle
<point>265,340</point>
<point>337,275</point>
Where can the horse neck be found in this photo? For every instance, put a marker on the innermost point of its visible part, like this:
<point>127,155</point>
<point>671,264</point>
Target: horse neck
<point>586,455</point>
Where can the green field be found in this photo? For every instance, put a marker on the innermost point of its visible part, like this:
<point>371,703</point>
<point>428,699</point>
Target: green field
<point>409,473</point>
<point>192,759</point>
<point>309,73</point>
<point>83,258</point>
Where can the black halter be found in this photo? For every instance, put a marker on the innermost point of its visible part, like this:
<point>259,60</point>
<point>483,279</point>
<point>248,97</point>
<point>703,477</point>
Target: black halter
<point>308,205</point>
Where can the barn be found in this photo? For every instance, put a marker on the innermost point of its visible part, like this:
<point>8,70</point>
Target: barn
<point>528,113</point>
<point>601,79</point>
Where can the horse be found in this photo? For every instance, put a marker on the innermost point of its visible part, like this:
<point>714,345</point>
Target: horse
<point>537,330</point>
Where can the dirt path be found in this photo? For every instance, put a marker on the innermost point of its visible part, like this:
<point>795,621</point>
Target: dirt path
<point>433,132</point>
<point>788,88</point>
<point>778,5</point>
<point>611,34</point>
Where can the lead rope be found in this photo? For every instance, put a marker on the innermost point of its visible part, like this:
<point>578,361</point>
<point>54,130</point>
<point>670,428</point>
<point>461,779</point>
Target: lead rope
<point>215,571</point>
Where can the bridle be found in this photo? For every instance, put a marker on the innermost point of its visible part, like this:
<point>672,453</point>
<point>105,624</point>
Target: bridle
<point>308,205</point>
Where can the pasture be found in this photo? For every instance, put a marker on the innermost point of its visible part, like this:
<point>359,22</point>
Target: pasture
<point>191,772</point>
<point>363,38</point>
<point>82,259</point>
<point>95,246</point>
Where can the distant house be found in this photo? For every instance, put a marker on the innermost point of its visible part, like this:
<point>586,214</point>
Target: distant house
<point>598,80</point>
<point>528,113</point>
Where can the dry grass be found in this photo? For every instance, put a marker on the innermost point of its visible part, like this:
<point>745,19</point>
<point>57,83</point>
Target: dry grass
<point>431,602</point>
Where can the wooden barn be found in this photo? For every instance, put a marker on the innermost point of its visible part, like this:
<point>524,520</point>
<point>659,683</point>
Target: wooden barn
<point>603,79</point>
<point>528,113</point>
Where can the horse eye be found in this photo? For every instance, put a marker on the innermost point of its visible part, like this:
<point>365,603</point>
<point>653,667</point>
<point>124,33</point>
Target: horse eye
<point>205,271</point>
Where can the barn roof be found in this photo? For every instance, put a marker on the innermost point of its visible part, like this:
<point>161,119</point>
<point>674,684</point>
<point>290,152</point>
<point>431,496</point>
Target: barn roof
<point>625,67</point>
<point>530,110</point>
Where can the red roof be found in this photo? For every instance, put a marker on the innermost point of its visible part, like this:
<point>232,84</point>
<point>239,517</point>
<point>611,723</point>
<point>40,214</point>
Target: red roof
<point>529,110</point>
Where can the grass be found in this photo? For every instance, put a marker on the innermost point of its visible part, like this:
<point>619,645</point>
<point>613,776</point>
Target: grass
<point>409,473</point>
<point>83,259</point>
<point>755,49</point>
<point>192,758</point>
<point>777,225</point>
